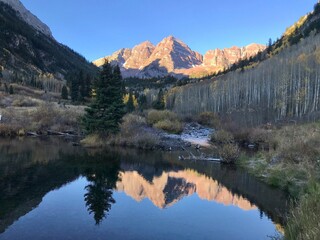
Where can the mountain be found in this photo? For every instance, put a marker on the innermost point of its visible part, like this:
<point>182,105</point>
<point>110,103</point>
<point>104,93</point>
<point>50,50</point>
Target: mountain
<point>279,84</point>
<point>228,56</point>
<point>173,57</point>
<point>28,50</point>
<point>28,17</point>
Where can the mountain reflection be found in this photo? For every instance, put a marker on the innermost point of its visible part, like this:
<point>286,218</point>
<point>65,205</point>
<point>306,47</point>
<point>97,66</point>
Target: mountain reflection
<point>170,187</point>
<point>31,168</point>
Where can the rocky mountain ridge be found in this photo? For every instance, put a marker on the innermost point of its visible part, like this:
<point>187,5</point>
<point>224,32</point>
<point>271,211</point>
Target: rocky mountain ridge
<point>173,57</point>
<point>29,53</point>
<point>28,17</point>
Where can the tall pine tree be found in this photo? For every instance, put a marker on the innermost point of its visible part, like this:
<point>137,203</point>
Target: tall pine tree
<point>142,102</point>
<point>64,92</point>
<point>159,104</point>
<point>130,103</point>
<point>105,113</point>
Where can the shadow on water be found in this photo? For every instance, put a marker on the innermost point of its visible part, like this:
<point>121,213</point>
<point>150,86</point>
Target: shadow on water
<point>32,167</point>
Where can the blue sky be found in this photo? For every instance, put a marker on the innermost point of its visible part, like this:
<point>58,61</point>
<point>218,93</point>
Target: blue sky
<point>97,28</point>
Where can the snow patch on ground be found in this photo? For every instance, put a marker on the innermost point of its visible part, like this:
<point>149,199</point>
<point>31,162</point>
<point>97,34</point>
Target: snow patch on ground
<point>195,133</point>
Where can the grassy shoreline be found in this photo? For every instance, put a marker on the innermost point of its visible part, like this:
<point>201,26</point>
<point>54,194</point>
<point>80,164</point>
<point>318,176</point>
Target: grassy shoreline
<point>293,166</point>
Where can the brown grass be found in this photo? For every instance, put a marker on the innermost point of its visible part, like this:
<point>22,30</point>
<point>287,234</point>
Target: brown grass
<point>48,116</point>
<point>229,153</point>
<point>169,126</point>
<point>134,133</point>
<point>209,119</point>
<point>165,120</point>
<point>222,137</point>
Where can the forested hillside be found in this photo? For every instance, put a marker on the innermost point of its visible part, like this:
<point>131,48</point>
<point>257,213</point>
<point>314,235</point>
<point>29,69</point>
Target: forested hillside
<point>286,85</point>
<point>28,56</point>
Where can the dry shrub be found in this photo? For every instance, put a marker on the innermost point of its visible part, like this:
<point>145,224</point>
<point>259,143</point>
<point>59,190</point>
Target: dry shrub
<point>146,140</point>
<point>209,119</point>
<point>8,130</point>
<point>222,137</point>
<point>155,116</point>
<point>165,120</point>
<point>48,116</point>
<point>139,139</point>
<point>134,133</point>
<point>45,115</point>
<point>93,141</point>
<point>24,102</point>
<point>230,126</point>
<point>299,144</point>
<point>242,136</point>
<point>169,126</point>
<point>5,101</point>
<point>263,138</point>
<point>131,124</point>
<point>259,135</point>
<point>14,120</point>
<point>229,153</point>
<point>301,152</point>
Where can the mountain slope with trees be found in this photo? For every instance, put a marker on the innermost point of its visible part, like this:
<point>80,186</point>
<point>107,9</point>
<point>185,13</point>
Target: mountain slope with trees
<point>284,85</point>
<point>28,56</point>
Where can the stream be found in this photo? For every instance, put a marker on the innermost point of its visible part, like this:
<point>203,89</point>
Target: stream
<point>53,190</point>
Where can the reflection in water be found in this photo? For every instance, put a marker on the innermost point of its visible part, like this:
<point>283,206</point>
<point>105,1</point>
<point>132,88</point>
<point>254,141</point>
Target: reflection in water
<point>165,190</point>
<point>102,177</point>
<point>98,198</point>
<point>32,168</point>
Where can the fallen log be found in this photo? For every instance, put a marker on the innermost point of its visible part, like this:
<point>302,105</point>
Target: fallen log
<point>201,159</point>
<point>33,134</point>
<point>55,133</point>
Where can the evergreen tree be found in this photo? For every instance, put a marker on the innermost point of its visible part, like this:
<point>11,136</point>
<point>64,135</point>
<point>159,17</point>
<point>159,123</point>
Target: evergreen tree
<point>82,87</point>
<point>142,102</point>
<point>64,92</point>
<point>10,89</point>
<point>1,76</point>
<point>130,104</point>
<point>6,89</point>
<point>74,91</point>
<point>269,45</point>
<point>159,103</point>
<point>87,89</point>
<point>105,113</point>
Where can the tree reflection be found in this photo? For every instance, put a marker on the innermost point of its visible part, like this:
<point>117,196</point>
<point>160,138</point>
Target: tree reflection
<point>102,175</point>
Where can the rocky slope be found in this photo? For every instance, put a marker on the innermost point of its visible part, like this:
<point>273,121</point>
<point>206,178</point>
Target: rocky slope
<point>172,56</point>
<point>28,51</point>
<point>28,17</point>
<point>226,57</point>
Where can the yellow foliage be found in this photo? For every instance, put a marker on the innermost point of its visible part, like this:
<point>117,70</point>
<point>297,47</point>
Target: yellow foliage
<point>317,54</point>
<point>126,99</point>
<point>302,58</point>
<point>290,30</point>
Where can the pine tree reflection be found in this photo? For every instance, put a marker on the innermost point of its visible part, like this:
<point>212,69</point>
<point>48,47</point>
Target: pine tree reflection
<point>102,175</point>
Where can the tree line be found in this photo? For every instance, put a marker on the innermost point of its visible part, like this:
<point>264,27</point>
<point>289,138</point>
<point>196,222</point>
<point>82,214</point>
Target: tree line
<point>284,86</point>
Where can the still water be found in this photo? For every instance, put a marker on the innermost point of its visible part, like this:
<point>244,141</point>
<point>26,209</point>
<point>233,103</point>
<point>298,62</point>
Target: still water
<point>52,190</point>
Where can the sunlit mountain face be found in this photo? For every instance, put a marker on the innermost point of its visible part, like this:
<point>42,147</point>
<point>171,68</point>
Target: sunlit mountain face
<point>172,56</point>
